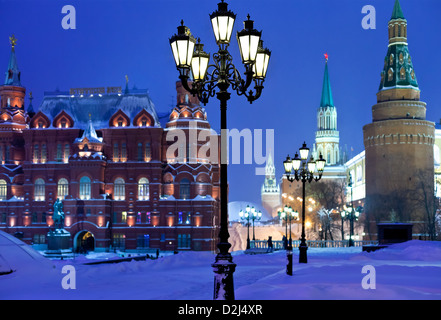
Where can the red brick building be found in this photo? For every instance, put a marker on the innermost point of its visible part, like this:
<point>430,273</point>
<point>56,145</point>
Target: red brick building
<point>105,154</point>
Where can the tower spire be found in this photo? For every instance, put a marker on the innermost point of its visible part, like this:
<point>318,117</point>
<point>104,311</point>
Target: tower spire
<point>397,13</point>
<point>326,100</point>
<point>13,74</point>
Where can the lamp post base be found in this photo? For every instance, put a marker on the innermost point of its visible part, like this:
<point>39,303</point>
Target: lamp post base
<point>289,258</point>
<point>223,269</point>
<point>302,254</point>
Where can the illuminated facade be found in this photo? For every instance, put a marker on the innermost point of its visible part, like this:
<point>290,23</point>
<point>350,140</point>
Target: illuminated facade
<point>104,153</point>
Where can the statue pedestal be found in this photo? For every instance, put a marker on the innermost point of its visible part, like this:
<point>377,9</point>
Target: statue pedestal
<point>58,244</point>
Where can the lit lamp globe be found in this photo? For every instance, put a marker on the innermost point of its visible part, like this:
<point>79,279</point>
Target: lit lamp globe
<point>304,151</point>
<point>199,62</point>
<point>222,21</point>
<point>320,164</point>
<point>287,164</point>
<point>248,40</point>
<point>182,45</point>
<point>260,67</point>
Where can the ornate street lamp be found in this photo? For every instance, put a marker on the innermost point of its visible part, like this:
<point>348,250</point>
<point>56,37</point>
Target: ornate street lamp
<point>350,214</point>
<point>215,80</point>
<point>300,169</point>
<point>246,216</point>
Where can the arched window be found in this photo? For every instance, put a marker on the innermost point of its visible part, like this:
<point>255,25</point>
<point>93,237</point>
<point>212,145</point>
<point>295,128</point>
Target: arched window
<point>3,189</point>
<point>184,189</point>
<point>62,188</point>
<point>143,189</point>
<point>119,191</point>
<point>39,190</point>
<point>402,73</point>
<point>85,188</point>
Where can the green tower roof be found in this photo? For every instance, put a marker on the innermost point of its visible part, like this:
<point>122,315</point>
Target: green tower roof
<point>327,100</point>
<point>397,13</point>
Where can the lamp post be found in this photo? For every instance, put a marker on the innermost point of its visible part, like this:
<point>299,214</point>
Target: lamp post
<point>211,80</point>
<point>300,169</point>
<point>288,215</point>
<point>350,214</point>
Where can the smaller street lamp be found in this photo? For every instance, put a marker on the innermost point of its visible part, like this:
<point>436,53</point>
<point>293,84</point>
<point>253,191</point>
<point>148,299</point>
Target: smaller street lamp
<point>300,169</point>
<point>288,215</point>
<point>351,215</point>
<point>250,214</point>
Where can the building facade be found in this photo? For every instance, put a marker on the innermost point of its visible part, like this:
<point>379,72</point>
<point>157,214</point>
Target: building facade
<point>106,155</point>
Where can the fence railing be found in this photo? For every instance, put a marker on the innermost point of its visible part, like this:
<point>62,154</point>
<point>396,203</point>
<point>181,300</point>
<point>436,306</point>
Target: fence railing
<point>278,244</point>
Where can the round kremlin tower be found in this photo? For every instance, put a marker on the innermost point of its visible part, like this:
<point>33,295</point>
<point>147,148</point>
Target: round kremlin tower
<point>399,141</point>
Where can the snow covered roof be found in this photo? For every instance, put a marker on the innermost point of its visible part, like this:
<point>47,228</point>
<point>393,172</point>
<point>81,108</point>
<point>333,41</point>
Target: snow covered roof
<point>101,107</point>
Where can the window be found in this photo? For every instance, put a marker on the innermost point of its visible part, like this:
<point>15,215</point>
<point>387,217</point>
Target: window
<point>143,189</point>
<point>36,156</point>
<point>402,74</point>
<point>43,153</point>
<point>66,153</point>
<point>140,155</point>
<point>62,188</point>
<point>123,152</point>
<point>179,217</point>
<point>138,218</point>
<point>390,74</point>
<point>114,217</point>
<point>184,189</point>
<point>188,218</point>
<point>115,152</point>
<point>143,241</point>
<point>119,189</point>
<point>39,190</point>
<point>39,239</point>
<point>43,217</point>
<point>144,123</point>
<point>184,241</point>
<point>119,240</point>
<point>148,219</point>
<point>7,154</point>
<point>4,215</point>
<point>34,217</point>
<point>85,188</point>
<point>59,154</point>
<point>3,189</point>
<point>124,217</point>
<point>148,152</point>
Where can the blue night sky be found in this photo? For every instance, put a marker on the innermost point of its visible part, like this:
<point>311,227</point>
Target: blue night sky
<point>114,38</point>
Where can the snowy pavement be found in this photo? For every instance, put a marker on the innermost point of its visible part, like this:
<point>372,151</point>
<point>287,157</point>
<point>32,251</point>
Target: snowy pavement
<point>409,270</point>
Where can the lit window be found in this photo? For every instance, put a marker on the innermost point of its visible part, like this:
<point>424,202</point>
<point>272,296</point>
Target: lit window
<point>124,217</point>
<point>143,189</point>
<point>39,190</point>
<point>119,189</point>
<point>3,189</point>
<point>62,188</point>
<point>85,188</point>
<point>184,189</point>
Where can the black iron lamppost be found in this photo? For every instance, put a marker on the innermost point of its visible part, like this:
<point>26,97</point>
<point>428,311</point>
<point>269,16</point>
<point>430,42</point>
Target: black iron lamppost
<point>210,80</point>
<point>288,215</point>
<point>250,214</point>
<point>350,214</point>
<point>301,169</point>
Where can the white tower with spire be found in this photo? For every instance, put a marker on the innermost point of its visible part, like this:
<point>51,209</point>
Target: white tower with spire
<point>270,193</point>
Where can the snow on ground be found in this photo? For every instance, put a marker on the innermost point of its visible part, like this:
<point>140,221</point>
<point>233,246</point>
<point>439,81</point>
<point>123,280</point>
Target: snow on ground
<point>410,270</point>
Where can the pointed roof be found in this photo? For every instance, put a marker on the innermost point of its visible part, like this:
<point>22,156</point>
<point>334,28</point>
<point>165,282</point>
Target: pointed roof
<point>397,13</point>
<point>90,133</point>
<point>327,100</point>
<point>12,74</point>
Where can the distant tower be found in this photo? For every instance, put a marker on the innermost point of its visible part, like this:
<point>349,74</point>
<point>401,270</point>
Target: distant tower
<point>327,137</point>
<point>13,117</point>
<point>270,193</point>
<point>399,141</point>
